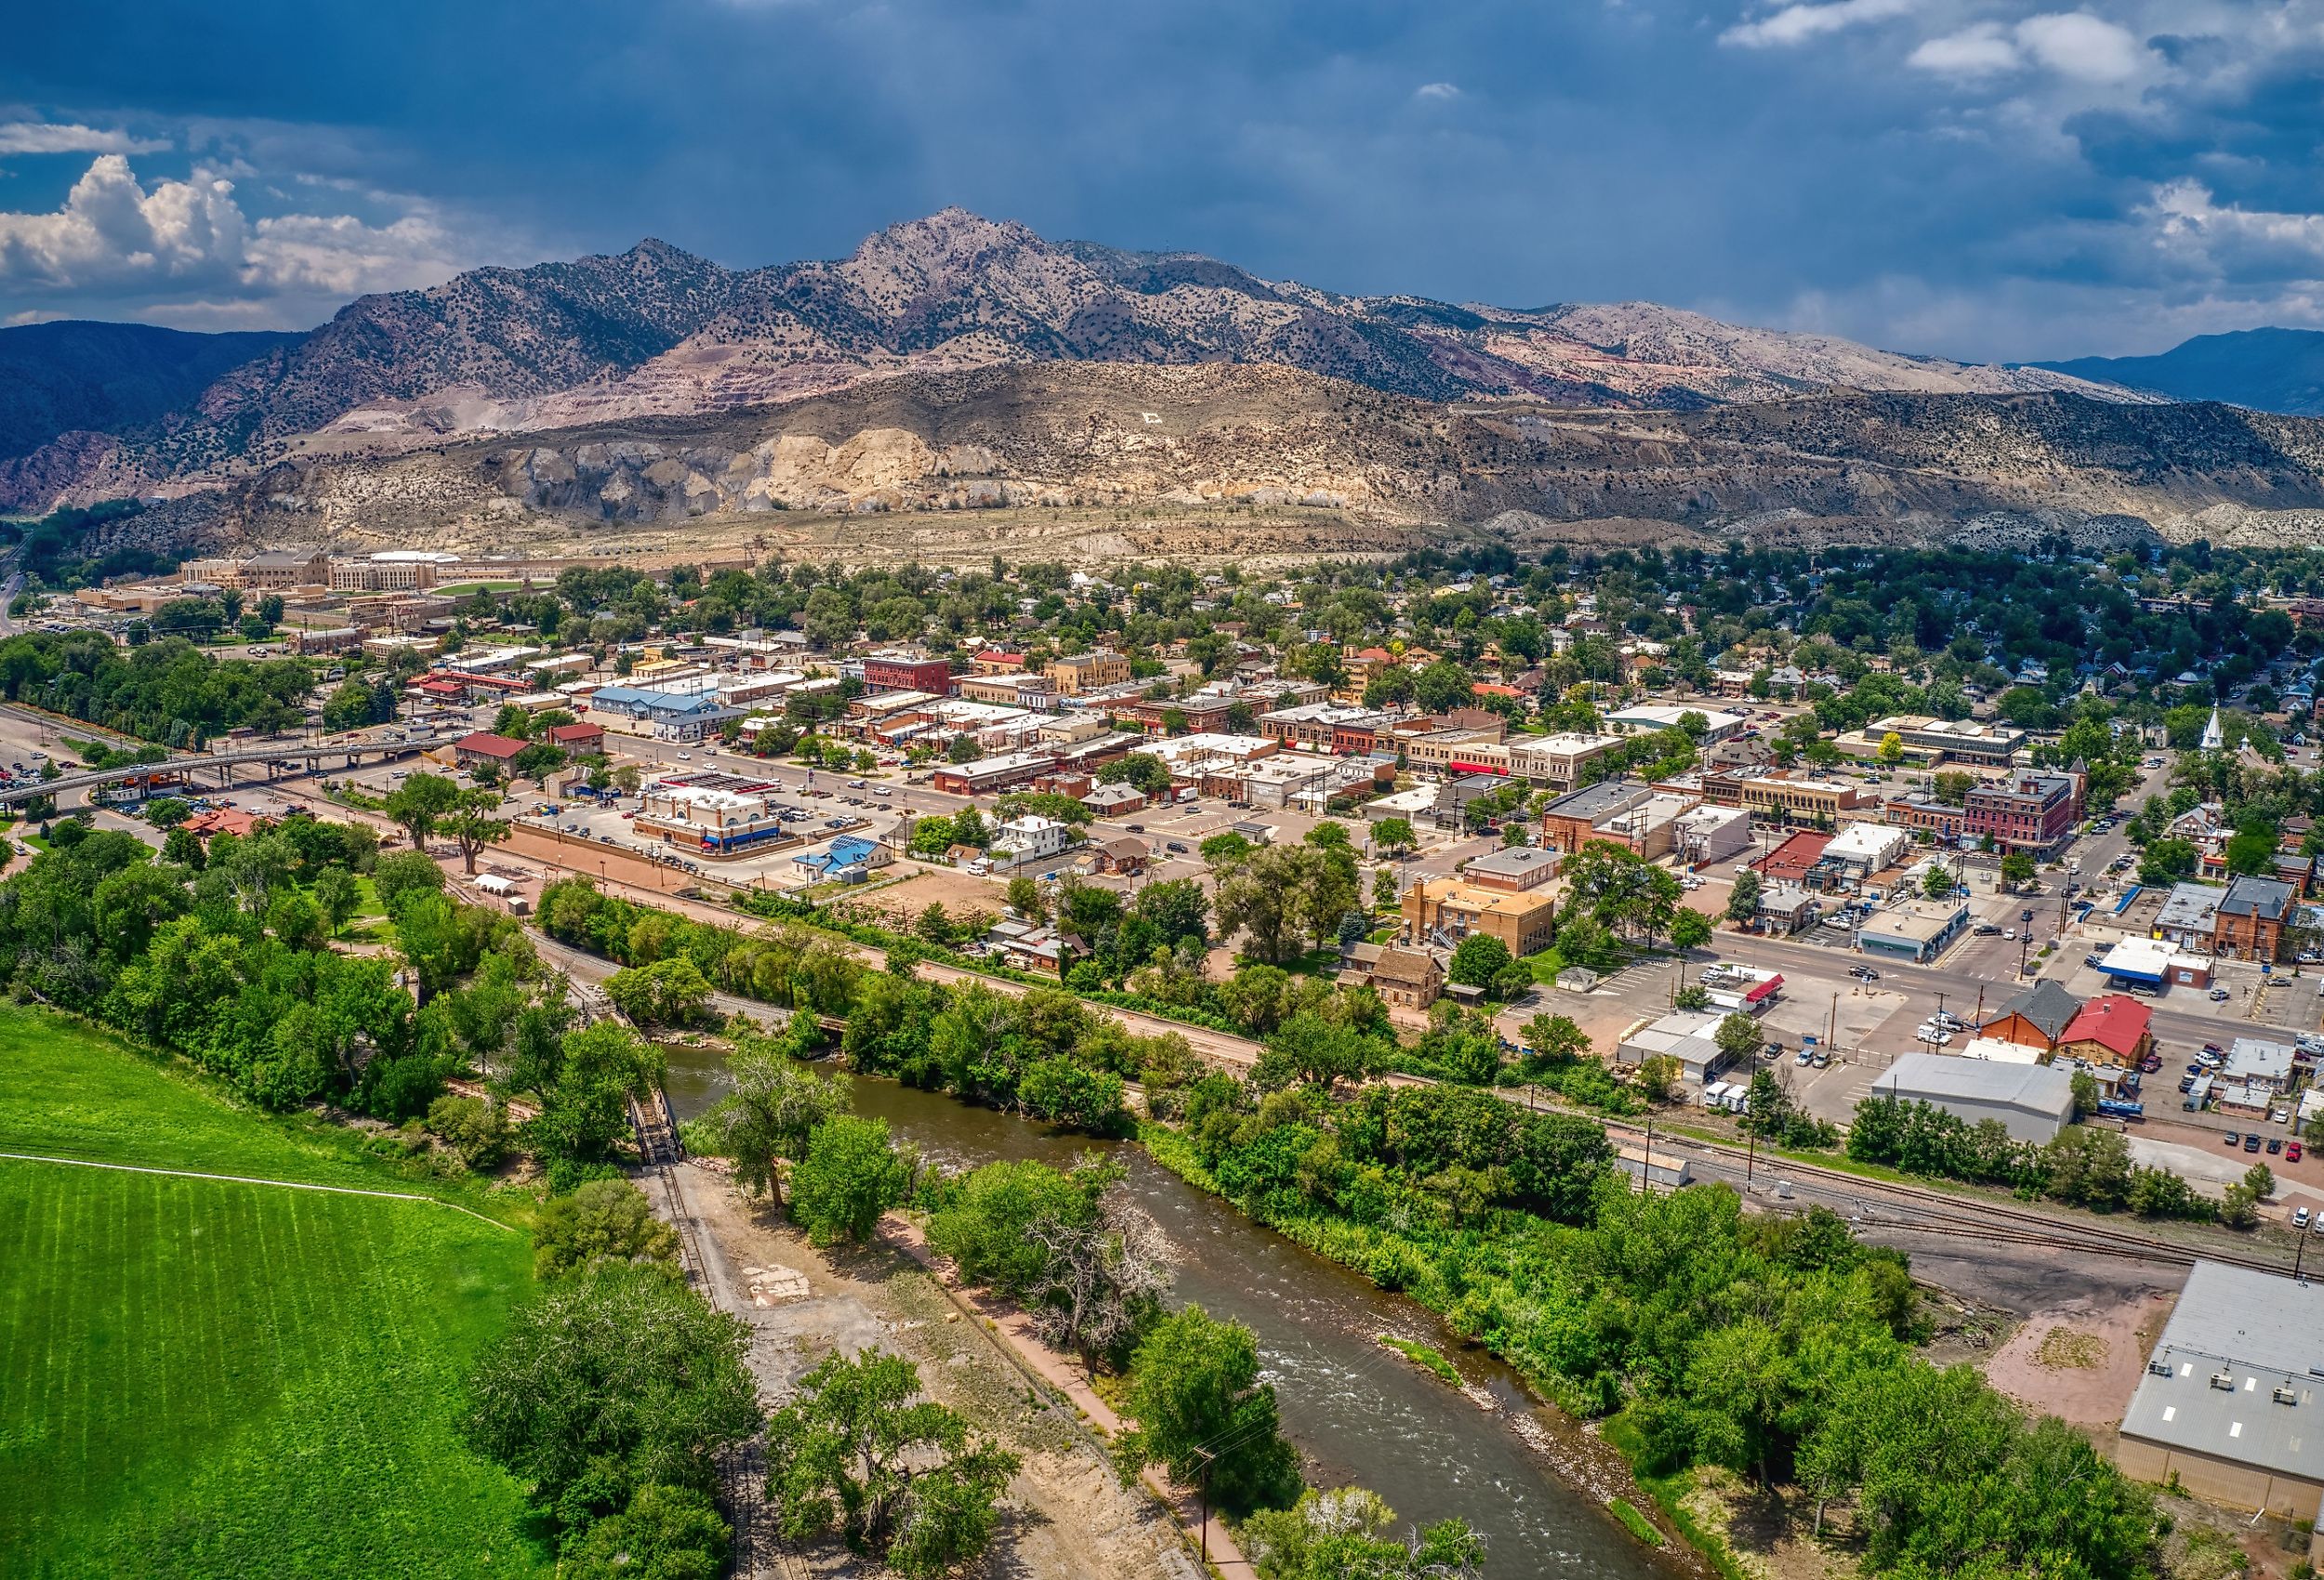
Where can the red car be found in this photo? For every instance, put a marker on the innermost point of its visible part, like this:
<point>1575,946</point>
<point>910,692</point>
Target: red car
<point>2292,1151</point>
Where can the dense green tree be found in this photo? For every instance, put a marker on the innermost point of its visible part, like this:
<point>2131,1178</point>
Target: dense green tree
<point>1204,1415</point>
<point>860,1453</point>
<point>849,1177</point>
<point>420,804</point>
<point>611,1381</point>
<point>768,1115</point>
<point>606,1221</point>
<point>665,1533</point>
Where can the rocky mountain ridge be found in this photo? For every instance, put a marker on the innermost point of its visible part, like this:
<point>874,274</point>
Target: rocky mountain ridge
<point>929,454</point>
<point>656,333</point>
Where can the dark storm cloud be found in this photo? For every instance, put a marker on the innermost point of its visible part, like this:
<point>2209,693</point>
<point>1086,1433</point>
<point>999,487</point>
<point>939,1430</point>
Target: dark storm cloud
<point>1975,178</point>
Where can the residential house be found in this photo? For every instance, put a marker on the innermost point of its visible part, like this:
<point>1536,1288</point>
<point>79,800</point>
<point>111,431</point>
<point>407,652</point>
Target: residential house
<point>1407,979</point>
<point>1125,855</point>
<point>1029,838</point>
<point>2035,1016</point>
<point>2114,1029</point>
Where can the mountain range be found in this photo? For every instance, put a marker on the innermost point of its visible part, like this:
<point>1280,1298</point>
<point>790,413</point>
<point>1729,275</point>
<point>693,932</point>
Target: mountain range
<point>2268,370</point>
<point>656,331</point>
<point>962,385</point>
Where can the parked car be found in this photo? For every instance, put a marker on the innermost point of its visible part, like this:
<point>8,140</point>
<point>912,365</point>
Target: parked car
<point>2251,1141</point>
<point>2275,1145</point>
<point>2292,1151</point>
<point>1807,1056</point>
<point>2235,1137</point>
<point>2299,1217</point>
<point>2219,995</point>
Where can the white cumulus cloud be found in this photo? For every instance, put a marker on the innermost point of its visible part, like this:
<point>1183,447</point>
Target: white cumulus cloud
<point>2073,45</point>
<point>1799,23</point>
<point>186,250</point>
<point>40,136</point>
<point>1437,90</point>
<point>1979,51</point>
<point>2087,48</point>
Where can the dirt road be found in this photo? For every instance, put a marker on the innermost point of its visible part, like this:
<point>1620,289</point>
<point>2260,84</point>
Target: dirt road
<point>1067,1516</point>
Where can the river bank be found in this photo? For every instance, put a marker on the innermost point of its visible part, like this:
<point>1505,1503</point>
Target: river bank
<point>1359,1412</point>
<point>1067,1515</point>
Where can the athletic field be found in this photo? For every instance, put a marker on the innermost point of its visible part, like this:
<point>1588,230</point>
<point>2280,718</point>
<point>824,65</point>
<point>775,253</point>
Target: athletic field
<point>214,1377</point>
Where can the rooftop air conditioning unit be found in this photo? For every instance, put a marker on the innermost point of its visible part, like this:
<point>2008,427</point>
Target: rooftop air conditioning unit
<point>2224,1380</point>
<point>2285,1396</point>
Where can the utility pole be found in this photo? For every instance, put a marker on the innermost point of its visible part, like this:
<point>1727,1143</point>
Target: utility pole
<point>1203,1484</point>
<point>1647,1169</point>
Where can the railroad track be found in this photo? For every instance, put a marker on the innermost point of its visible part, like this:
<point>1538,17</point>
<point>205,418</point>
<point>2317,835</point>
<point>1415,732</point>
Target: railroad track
<point>1924,1210</point>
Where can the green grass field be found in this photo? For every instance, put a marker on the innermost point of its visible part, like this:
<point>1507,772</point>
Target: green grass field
<point>207,1377</point>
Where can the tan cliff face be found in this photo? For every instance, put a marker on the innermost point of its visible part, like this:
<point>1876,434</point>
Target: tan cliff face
<point>944,458</point>
<point>656,334</point>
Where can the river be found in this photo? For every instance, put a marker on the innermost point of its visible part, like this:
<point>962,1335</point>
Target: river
<point>1361,1412</point>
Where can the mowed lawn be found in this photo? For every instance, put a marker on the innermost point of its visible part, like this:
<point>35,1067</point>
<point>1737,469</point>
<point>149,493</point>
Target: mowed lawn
<point>204,1378</point>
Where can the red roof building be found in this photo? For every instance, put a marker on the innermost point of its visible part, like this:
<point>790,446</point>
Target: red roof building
<point>1790,862</point>
<point>223,819</point>
<point>2111,1029</point>
<point>485,746</point>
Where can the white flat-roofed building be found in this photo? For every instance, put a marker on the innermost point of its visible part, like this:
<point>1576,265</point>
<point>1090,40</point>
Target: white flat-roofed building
<point>2229,1405</point>
<point>716,823</point>
<point>1717,725</point>
<point>1555,760</point>
<point>2153,961</point>
<point>2033,1101</point>
<point>2000,1050</point>
<point>1862,848</point>
<point>1917,930</point>
<point>1704,834</point>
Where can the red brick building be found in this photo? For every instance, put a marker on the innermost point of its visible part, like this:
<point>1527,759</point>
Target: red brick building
<point>578,737</point>
<point>2251,918</point>
<point>2034,812</point>
<point>902,672</point>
